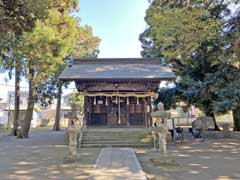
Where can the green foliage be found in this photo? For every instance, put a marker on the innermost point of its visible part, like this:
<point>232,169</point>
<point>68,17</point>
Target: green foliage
<point>49,42</point>
<point>178,32</point>
<point>81,43</point>
<point>36,36</point>
<point>168,97</point>
<point>17,17</point>
<point>86,43</point>
<point>77,100</point>
<point>228,93</point>
<point>47,90</point>
<point>20,15</point>
<point>191,35</point>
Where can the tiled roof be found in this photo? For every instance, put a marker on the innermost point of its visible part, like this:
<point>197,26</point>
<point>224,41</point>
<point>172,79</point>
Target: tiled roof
<point>117,68</point>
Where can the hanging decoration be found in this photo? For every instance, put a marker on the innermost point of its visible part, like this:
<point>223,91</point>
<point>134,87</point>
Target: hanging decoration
<point>127,100</point>
<point>106,101</point>
<point>137,100</point>
<point>95,100</point>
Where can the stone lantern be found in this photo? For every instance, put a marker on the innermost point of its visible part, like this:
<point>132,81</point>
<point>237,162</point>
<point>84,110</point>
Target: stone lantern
<point>161,130</point>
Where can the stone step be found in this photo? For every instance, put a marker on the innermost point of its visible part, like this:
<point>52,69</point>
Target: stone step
<point>117,129</point>
<point>116,145</point>
<point>112,139</point>
<point>115,141</point>
<point>119,132</point>
<point>128,132</point>
<point>117,137</point>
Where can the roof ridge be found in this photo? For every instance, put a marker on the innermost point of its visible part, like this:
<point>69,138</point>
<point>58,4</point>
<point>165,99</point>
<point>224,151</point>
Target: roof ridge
<point>116,60</point>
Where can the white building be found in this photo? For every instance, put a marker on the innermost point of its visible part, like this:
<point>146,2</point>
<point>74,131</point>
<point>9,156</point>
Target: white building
<point>7,110</point>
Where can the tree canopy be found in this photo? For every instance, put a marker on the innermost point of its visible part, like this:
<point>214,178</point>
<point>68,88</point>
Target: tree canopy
<point>193,38</point>
<point>36,39</point>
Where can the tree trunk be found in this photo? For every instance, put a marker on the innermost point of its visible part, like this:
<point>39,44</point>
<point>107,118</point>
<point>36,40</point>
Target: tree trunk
<point>236,119</point>
<point>211,114</point>
<point>16,99</point>
<point>56,126</point>
<point>24,131</point>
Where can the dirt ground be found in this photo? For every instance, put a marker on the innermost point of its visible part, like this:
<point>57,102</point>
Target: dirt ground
<point>209,160</point>
<point>42,157</point>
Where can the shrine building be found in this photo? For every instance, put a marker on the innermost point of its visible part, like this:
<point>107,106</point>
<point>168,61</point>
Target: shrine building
<point>117,92</point>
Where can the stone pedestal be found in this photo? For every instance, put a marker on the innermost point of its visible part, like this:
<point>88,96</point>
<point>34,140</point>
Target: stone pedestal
<point>73,136</point>
<point>73,144</point>
<point>160,137</point>
<point>162,143</point>
<point>160,133</point>
<point>226,130</point>
<point>204,126</point>
<point>154,140</point>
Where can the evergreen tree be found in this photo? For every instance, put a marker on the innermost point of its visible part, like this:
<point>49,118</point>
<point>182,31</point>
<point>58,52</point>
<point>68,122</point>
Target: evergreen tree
<point>45,48</point>
<point>16,17</point>
<point>189,34</point>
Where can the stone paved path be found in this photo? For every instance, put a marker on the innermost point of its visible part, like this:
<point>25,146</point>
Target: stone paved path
<point>117,164</point>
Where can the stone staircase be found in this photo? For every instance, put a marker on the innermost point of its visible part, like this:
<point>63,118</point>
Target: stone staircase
<point>117,137</point>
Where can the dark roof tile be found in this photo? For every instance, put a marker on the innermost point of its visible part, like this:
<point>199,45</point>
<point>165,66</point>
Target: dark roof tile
<point>117,68</point>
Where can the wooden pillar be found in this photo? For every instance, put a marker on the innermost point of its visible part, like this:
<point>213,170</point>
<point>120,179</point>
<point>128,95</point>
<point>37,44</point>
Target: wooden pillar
<point>108,110</point>
<point>149,113</point>
<point>145,111</point>
<point>119,109</point>
<point>90,110</point>
<point>85,111</point>
<point>128,124</point>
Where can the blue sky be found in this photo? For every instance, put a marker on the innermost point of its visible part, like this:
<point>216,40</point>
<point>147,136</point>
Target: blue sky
<point>117,23</point>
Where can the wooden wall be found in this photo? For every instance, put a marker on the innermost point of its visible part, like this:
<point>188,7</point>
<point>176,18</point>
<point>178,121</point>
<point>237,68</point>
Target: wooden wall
<point>101,113</point>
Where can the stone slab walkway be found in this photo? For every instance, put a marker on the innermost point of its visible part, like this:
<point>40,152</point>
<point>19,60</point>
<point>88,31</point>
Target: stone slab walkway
<point>117,164</point>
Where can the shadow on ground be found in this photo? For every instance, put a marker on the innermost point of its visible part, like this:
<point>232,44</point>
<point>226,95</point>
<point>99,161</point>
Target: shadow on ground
<point>209,160</point>
<point>42,157</point>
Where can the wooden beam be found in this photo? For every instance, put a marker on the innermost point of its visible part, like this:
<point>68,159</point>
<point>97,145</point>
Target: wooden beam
<point>130,94</point>
<point>111,86</point>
